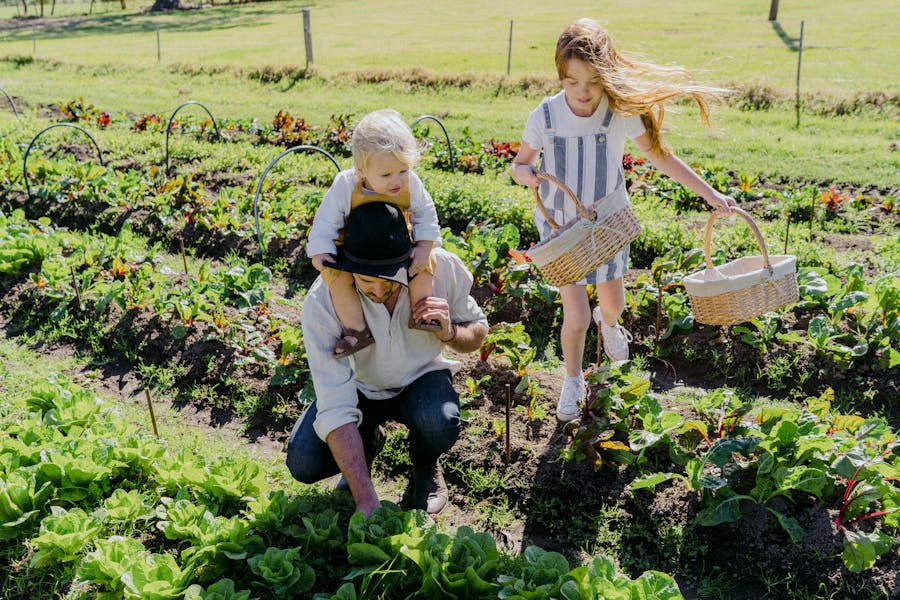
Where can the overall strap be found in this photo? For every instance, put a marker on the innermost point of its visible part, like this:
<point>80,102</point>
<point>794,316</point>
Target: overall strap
<point>607,118</point>
<point>548,125</point>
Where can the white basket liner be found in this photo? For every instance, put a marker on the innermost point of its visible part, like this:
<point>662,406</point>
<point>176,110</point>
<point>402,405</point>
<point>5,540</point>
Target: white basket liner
<point>604,207</point>
<point>738,274</point>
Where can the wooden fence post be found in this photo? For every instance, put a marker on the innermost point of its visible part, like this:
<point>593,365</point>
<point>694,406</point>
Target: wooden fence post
<point>307,38</point>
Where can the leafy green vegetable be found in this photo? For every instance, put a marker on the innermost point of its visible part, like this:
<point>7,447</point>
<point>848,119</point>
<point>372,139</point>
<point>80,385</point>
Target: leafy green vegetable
<point>221,590</point>
<point>283,572</point>
<point>155,577</point>
<point>63,535</point>
<point>110,559</point>
<point>21,502</point>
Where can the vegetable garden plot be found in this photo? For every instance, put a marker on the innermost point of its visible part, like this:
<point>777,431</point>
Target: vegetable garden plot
<point>227,318</point>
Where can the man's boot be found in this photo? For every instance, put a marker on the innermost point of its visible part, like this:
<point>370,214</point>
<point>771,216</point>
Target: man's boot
<point>377,446</point>
<point>430,492</point>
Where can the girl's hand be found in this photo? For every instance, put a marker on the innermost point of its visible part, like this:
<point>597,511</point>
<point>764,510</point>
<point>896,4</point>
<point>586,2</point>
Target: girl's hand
<point>419,258</point>
<point>523,174</point>
<point>722,203</point>
<point>319,260</point>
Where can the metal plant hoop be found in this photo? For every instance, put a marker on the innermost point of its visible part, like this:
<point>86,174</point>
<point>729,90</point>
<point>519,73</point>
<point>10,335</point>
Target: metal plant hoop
<point>446,135</point>
<point>172,118</point>
<point>266,172</point>
<point>42,132</point>
<point>11,103</point>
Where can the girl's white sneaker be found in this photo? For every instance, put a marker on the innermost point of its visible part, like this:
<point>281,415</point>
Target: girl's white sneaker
<point>615,341</point>
<point>573,392</point>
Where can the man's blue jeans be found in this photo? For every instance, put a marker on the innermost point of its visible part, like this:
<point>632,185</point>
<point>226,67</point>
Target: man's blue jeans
<point>429,407</point>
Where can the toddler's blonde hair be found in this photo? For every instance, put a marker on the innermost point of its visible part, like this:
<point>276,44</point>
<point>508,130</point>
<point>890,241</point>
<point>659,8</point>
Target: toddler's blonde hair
<point>633,87</point>
<point>384,132</point>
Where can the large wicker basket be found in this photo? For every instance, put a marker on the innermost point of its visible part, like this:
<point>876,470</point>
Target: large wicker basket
<point>742,289</point>
<point>582,245</point>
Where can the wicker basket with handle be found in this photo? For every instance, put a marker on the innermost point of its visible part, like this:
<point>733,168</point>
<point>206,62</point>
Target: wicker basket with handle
<point>580,246</point>
<point>742,289</point>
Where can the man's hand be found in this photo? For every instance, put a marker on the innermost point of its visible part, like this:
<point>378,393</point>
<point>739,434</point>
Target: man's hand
<point>436,310</point>
<point>319,260</point>
<point>347,448</point>
<point>462,337</point>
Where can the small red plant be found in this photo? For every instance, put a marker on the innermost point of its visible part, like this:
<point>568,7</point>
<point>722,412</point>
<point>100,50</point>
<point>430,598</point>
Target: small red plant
<point>147,123</point>
<point>629,162</point>
<point>519,257</point>
<point>290,131</point>
<point>832,199</point>
<point>504,150</point>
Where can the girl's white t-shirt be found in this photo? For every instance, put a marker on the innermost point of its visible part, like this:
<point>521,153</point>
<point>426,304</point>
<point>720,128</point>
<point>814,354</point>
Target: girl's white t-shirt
<point>565,123</point>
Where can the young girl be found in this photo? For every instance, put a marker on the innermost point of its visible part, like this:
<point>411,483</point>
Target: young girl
<point>581,131</point>
<point>384,152</point>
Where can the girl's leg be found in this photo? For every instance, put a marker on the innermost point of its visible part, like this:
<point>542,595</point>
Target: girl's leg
<point>610,304</point>
<point>421,286</point>
<point>576,320</point>
<point>611,300</point>
<point>346,302</point>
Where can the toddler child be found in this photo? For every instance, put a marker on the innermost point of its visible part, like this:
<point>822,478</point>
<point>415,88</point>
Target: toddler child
<point>384,153</point>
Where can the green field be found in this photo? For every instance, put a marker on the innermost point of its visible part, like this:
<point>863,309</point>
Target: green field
<point>848,46</point>
<point>219,46</point>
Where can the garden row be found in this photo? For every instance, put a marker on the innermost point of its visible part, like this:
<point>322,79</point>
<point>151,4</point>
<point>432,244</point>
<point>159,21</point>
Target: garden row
<point>230,323</point>
<point>847,316</point>
<point>808,453</point>
<point>109,511</point>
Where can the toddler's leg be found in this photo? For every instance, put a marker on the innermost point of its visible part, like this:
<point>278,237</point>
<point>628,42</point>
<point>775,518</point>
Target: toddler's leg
<point>421,286</point>
<point>349,311</point>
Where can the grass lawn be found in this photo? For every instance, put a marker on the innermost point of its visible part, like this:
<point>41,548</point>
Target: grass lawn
<point>848,50</point>
<point>848,46</point>
<point>850,149</point>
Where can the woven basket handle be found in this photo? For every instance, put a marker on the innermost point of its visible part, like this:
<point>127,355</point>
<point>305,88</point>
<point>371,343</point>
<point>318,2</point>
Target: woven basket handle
<point>759,238</point>
<point>537,198</point>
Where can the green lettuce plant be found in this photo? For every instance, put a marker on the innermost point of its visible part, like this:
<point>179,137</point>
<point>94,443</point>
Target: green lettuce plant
<point>110,559</point>
<point>63,535</point>
<point>600,580</point>
<point>126,506</point>
<point>535,575</point>
<point>21,501</point>
<point>464,566</point>
<point>223,589</point>
<point>155,577</point>
<point>387,533</point>
<point>273,511</point>
<point>283,572</point>
<point>235,480</point>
